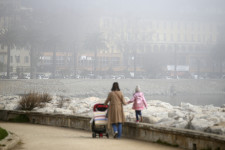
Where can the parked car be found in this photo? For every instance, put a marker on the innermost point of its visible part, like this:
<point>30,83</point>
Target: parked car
<point>3,77</point>
<point>13,76</point>
<point>26,76</point>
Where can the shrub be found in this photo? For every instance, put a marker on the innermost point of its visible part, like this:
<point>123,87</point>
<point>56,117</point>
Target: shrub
<point>32,100</point>
<point>189,123</point>
<point>45,98</point>
<point>3,133</point>
<point>62,101</point>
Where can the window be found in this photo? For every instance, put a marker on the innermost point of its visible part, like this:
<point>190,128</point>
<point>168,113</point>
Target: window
<point>210,38</point>
<point>155,48</point>
<point>164,25</point>
<point>1,58</point>
<point>185,37</point>
<point>171,37</point>
<point>157,37</point>
<point>171,25</point>
<point>162,48</point>
<point>164,36</point>
<point>11,59</point>
<point>26,59</point>
<point>183,48</point>
<point>115,61</point>
<point>190,48</point>
<point>203,38</point>
<point>192,38</point>
<point>185,26</point>
<point>178,26</point>
<point>199,38</point>
<point>17,59</point>
<point>178,37</point>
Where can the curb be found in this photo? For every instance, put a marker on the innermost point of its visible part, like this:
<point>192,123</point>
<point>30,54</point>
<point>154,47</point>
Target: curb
<point>9,142</point>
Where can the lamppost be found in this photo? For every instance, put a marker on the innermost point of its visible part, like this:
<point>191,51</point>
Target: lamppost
<point>133,59</point>
<point>175,61</point>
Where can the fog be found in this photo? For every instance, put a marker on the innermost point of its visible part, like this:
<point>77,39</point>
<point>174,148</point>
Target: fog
<point>130,38</point>
<point>117,39</point>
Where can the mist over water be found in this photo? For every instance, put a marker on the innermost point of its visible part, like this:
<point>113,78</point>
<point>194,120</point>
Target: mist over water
<point>115,39</point>
<point>194,99</point>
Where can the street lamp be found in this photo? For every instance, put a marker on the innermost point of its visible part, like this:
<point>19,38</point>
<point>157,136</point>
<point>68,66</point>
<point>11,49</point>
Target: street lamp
<point>175,61</point>
<point>133,59</point>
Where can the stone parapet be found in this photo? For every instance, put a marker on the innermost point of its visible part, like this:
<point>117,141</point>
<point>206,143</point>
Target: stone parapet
<point>187,139</point>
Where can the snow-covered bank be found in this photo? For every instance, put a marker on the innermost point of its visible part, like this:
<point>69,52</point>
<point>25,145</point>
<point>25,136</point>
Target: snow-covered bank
<point>206,118</point>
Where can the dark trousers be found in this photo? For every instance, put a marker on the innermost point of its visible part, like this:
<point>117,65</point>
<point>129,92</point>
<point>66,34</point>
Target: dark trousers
<point>138,113</point>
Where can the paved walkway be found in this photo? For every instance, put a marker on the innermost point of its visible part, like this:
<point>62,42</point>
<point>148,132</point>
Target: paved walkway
<point>40,137</point>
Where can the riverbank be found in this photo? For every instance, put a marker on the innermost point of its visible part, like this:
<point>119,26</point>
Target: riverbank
<point>206,118</point>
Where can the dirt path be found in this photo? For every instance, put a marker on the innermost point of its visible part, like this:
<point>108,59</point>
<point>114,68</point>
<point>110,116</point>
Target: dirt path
<point>39,137</point>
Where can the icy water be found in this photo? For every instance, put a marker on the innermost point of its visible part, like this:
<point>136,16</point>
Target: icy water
<point>196,92</point>
<point>195,99</point>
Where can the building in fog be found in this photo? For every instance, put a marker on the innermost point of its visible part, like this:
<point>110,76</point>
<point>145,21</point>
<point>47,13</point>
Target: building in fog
<point>159,40</point>
<point>184,43</point>
<point>19,60</point>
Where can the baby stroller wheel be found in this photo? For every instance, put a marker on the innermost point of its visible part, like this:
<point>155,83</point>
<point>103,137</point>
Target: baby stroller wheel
<point>94,135</point>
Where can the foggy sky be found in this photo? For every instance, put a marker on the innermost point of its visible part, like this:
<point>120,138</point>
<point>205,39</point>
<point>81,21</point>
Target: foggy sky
<point>138,8</point>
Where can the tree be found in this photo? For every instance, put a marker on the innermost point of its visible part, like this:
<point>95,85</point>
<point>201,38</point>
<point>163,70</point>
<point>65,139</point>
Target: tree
<point>218,51</point>
<point>54,43</point>
<point>94,42</point>
<point>155,63</point>
<point>11,39</point>
<point>32,38</point>
<point>11,29</point>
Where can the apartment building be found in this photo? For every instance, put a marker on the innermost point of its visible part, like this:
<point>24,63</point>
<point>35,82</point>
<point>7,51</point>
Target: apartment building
<point>188,41</point>
<point>185,44</point>
<point>182,43</point>
<point>19,60</point>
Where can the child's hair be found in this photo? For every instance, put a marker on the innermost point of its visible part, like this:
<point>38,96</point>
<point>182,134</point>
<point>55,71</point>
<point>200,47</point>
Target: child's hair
<point>137,89</point>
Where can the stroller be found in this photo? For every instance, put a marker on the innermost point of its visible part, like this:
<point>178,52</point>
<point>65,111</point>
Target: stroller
<point>99,123</point>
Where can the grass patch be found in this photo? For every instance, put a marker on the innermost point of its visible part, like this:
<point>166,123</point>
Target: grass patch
<point>3,133</point>
<point>165,143</point>
<point>20,118</point>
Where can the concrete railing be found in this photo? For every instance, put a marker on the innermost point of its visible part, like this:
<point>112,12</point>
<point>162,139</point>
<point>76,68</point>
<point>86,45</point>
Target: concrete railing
<point>187,139</point>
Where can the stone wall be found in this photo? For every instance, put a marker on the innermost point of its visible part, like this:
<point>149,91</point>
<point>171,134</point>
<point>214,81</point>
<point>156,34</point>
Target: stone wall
<point>186,139</point>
